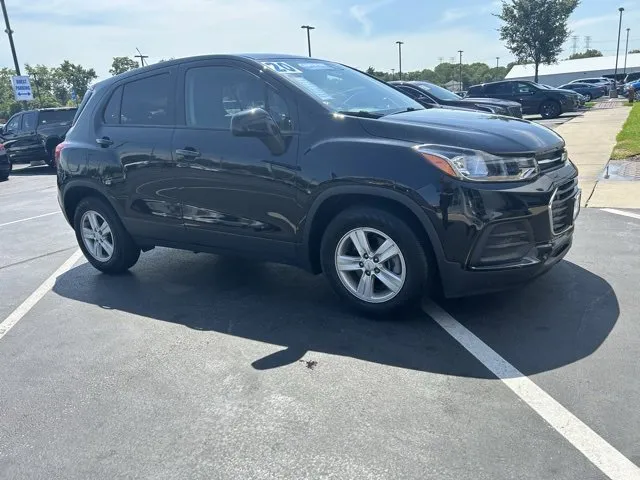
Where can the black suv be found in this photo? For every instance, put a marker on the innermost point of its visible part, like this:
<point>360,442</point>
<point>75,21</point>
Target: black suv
<point>428,94</point>
<point>315,164</point>
<point>34,134</point>
<point>533,97</point>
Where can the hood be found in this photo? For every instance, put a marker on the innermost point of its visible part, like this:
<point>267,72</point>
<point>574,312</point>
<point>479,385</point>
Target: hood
<point>490,133</point>
<point>492,101</point>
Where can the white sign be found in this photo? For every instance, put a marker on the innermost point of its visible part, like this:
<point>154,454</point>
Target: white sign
<point>21,88</point>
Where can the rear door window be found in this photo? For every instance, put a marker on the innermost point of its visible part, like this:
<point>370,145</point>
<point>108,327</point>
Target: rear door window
<point>499,89</point>
<point>147,101</point>
<point>29,122</point>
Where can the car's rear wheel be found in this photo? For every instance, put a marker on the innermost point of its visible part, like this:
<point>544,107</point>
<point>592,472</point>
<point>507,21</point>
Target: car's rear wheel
<point>550,109</point>
<point>102,237</point>
<point>374,260</point>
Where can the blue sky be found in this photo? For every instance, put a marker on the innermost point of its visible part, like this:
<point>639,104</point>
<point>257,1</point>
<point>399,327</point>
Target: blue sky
<point>357,32</point>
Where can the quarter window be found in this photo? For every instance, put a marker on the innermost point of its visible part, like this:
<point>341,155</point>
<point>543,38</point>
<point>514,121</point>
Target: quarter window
<point>146,101</point>
<point>29,122</point>
<point>111,113</point>
<point>214,94</point>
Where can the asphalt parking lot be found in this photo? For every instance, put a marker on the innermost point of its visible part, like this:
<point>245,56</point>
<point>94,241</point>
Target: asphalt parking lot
<point>197,366</point>
<point>554,122</point>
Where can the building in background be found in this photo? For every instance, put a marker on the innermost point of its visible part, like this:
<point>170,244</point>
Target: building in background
<point>567,70</point>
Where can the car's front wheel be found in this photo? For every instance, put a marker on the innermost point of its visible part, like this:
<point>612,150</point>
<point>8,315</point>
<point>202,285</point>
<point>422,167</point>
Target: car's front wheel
<point>102,237</point>
<point>588,97</point>
<point>550,109</point>
<point>374,260</point>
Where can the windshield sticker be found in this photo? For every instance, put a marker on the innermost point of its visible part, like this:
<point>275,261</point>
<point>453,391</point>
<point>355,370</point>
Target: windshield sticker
<point>311,87</point>
<point>281,67</point>
<point>315,66</point>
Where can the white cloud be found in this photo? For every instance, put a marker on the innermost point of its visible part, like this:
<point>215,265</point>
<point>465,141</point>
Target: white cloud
<point>168,28</point>
<point>361,13</point>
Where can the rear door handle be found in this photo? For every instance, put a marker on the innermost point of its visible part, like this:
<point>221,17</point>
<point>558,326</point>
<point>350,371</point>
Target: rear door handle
<point>188,152</point>
<point>104,141</point>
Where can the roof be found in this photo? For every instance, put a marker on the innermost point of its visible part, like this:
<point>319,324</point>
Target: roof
<point>580,65</point>
<point>256,57</point>
<point>51,109</point>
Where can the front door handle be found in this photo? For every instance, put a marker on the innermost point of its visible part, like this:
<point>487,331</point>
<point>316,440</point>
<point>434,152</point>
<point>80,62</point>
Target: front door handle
<point>188,152</point>
<point>104,142</point>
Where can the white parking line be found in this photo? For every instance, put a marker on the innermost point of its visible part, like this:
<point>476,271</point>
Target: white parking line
<point>621,212</point>
<point>15,316</point>
<point>609,460</point>
<point>30,218</point>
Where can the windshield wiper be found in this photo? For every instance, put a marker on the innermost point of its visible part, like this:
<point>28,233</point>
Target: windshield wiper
<point>405,110</point>
<point>360,113</point>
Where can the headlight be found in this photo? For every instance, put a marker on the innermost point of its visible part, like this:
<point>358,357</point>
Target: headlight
<point>495,110</point>
<point>478,166</point>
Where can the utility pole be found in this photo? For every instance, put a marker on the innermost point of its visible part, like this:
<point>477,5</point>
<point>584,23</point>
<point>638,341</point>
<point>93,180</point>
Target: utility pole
<point>574,47</point>
<point>614,93</point>
<point>141,57</point>
<point>587,42</point>
<point>497,67</point>
<point>626,52</point>
<point>440,60</point>
<point>36,84</point>
<point>393,74</point>
<point>400,59</point>
<point>9,33</point>
<point>308,28</point>
<point>461,86</point>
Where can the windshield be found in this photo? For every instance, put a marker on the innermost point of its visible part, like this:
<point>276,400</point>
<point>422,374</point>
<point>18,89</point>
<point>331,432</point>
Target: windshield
<point>342,89</point>
<point>438,92</point>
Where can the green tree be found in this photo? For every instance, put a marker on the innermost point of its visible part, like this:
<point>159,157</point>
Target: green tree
<point>122,64</point>
<point>43,81</point>
<point>535,30</point>
<point>589,53</point>
<point>72,77</point>
<point>634,51</point>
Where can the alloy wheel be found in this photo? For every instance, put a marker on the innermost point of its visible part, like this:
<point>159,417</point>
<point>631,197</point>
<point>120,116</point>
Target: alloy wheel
<point>97,236</point>
<point>370,265</point>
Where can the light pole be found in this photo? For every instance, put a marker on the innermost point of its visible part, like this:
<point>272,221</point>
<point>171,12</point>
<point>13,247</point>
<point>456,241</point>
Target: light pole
<point>308,28</point>
<point>614,93</point>
<point>9,33</point>
<point>497,62</point>
<point>461,86</point>
<point>393,74</point>
<point>400,59</point>
<point>626,52</point>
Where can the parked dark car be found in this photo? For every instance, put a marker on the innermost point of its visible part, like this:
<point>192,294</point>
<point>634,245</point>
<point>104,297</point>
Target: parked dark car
<point>34,134</point>
<point>312,163</point>
<point>606,83</point>
<point>534,98</point>
<point>428,94</point>
<point>587,90</point>
<point>5,164</point>
<point>631,77</point>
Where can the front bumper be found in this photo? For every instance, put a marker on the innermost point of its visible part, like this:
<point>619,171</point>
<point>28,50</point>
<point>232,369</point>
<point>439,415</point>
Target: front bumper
<point>495,237</point>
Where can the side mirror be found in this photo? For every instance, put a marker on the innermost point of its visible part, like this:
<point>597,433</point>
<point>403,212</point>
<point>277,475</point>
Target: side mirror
<point>259,124</point>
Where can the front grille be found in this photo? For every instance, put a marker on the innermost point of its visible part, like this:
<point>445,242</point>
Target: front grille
<point>553,159</point>
<point>515,111</point>
<point>562,206</point>
<point>503,244</point>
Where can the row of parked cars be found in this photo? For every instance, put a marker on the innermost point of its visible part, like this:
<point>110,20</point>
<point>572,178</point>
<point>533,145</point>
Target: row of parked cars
<point>32,136</point>
<point>508,97</point>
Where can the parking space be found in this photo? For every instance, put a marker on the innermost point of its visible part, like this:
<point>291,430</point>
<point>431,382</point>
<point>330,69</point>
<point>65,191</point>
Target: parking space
<point>554,122</point>
<point>198,366</point>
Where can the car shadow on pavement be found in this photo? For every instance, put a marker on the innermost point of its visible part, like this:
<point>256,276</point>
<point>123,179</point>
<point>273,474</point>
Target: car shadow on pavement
<point>556,320</point>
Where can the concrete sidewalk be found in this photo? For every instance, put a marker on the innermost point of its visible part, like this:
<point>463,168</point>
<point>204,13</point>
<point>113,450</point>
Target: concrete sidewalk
<point>590,141</point>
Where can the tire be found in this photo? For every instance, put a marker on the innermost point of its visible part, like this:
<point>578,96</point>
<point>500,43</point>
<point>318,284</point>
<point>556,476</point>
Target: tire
<point>588,97</point>
<point>550,109</point>
<point>378,226</point>
<point>124,252</point>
